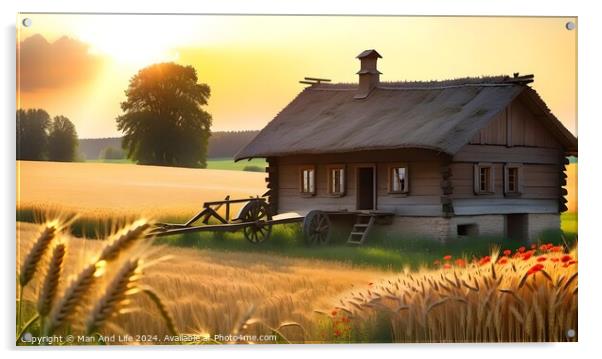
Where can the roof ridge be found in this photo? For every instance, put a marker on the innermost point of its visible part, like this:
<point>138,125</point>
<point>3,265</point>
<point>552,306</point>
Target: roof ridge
<point>500,80</point>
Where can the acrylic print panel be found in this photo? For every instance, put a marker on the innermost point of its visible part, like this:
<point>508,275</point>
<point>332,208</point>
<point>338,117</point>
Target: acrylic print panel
<point>202,151</point>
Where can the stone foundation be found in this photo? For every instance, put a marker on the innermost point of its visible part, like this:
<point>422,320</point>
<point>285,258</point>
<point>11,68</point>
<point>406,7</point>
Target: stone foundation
<point>440,228</point>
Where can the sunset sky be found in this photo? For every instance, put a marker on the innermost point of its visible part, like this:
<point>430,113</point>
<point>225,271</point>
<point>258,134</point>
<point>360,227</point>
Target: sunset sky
<point>80,65</point>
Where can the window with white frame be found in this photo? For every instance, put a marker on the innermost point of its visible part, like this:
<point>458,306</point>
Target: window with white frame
<point>398,179</point>
<point>484,178</point>
<point>336,180</point>
<point>307,180</point>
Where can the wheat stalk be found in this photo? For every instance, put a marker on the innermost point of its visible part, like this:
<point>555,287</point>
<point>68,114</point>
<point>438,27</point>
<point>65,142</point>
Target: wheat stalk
<point>74,295</point>
<point>33,258</point>
<point>115,296</point>
<point>124,240</point>
<point>154,297</point>
<point>51,281</point>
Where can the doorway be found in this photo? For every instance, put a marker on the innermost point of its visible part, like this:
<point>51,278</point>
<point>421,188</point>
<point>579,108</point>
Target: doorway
<point>517,226</point>
<point>366,198</point>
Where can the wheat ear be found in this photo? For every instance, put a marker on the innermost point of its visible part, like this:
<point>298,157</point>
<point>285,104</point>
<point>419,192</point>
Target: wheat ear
<point>154,297</point>
<point>124,240</point>
<point>31,262</point>
<point>74,296</point>
<point>115,296</point>
<point>51,281</point>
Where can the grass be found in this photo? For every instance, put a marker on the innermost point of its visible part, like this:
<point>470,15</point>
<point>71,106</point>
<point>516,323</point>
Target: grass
<point>119,161</point>
<point>229,164</point>
<point>395,254</point>
<point>569,222</point>
<point>212,163</point>
<point>287,240</point>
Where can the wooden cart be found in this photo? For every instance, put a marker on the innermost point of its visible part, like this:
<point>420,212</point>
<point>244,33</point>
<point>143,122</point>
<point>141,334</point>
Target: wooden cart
<point>255,220</point>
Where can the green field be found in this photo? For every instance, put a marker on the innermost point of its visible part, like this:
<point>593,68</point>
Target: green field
<point>213,163</point>
<point>229,164</point>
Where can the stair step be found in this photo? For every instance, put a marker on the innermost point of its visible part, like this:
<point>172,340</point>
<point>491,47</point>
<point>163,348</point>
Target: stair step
<point>360,230</point>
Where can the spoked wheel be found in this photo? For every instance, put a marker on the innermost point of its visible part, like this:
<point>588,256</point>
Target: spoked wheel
<point>256,213</point>
<point>316,228</point>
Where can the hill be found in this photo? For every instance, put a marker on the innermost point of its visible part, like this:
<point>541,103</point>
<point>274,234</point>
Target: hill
<point>222,144</point>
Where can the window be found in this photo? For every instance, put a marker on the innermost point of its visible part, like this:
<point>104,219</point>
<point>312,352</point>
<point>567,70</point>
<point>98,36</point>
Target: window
<point>336,180</point>
<point>308,180</point>
<point>483,178</point>
<point>398,179</point>
<point>468,230</point>
<point>512,179</point>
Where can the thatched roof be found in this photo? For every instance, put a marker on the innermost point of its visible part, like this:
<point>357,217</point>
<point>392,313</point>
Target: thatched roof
<point>440,115</point>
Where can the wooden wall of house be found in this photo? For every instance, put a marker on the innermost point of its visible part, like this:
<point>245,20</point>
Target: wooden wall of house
<point>423,198</point>
<point>516,126</point>
<point>515,136</point>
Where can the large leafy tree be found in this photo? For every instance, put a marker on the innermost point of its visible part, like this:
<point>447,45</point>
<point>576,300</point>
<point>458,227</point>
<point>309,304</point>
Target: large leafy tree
<point>163,121</point>
<point>32,135</point>
<point>62,140</point>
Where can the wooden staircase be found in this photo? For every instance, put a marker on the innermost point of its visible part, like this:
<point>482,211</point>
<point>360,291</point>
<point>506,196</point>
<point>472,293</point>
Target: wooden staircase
<point>361,228</point>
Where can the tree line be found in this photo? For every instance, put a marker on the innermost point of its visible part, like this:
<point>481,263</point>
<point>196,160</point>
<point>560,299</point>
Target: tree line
<point>40,137</point>
<point>163,122</point>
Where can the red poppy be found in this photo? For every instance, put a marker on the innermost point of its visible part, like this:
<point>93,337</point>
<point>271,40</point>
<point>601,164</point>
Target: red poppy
<point>502,260</point>
<point>447,266</point>
<point>485,260</point>
<point>565,258</point>
<point>337,333</point>
<point>527,255</point>
<point>546,247</point>
<point>460,262</point>
<point>554,259</point>
<point>536,268</point>
<point>556,249</point>
<point>507,252</point>
<point>534,246</point>
<point>447,257</point>
<point>522,249</point>
<point>334,313</point>
<point>436,262</point>
<point>541,258</point>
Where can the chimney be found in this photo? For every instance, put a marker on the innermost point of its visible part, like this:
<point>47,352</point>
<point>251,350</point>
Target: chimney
<point>369,75</point>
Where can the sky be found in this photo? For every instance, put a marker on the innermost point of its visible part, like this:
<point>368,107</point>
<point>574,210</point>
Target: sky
<point>80,65</point>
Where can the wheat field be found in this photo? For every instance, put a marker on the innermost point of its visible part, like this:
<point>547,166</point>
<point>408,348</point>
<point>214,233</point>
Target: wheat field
<point>111,190</point>
<point>210,291</point>
<point>525,296</point>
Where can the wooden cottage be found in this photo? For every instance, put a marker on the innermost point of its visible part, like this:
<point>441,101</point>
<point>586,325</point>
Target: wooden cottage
<point>463,157</point>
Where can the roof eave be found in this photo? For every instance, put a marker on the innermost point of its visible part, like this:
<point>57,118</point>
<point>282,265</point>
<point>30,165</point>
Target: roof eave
<point>240,157</point>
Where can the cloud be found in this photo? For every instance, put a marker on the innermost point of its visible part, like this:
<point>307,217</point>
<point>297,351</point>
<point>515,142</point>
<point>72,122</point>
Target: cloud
<point>62,63</point>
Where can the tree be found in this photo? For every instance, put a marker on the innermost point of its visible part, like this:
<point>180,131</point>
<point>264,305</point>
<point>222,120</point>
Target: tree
<point>62,140</point>
<point>112,153</point>
<point>32,136</point>
<point>163,122</point>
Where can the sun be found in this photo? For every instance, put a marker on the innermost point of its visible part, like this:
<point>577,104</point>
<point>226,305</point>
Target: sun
<point>131,41</point>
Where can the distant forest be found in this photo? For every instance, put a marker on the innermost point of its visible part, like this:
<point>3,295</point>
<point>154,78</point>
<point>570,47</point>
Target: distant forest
<point>222,144</point>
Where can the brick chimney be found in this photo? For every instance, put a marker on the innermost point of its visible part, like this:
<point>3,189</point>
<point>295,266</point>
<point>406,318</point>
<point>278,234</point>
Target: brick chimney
<point>369,75</point>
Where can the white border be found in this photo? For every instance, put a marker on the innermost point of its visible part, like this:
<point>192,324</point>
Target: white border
<point>589,169</point>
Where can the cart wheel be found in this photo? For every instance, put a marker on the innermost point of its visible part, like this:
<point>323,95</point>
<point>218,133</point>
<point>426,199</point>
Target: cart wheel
<point>256,212</point>
<point>316,228</point>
